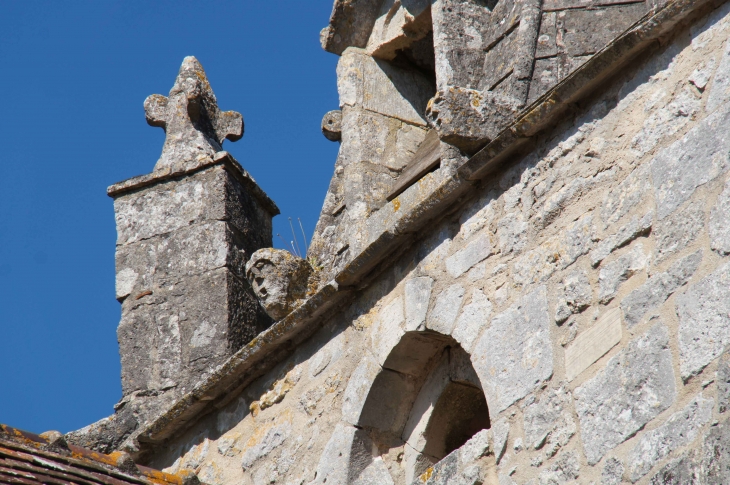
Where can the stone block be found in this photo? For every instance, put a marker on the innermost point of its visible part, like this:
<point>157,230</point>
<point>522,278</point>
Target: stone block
<point>635,387</point>
<point>704,320</point>
<point>459,37</point>
<point>618,271</point>
<point>549,423</point>
<point>715,465</point>
<point>556,253</point>
<point>566,469</point>
<point>588,31</point>
<point>417,298</point>
<point>680,429</point>
<point>593,343</point>
<point>547,74</point>
<point>271,439</point>
<point>666,120</point>
<point>705,148</point>
<point>377,86</point>
<point>468,118</point>
<point>346,454</point>
<point>474,252</point>
<point>207,196</point>
<point>474,317</point>
<point>514,355</point>
<point>720,88</point>
<point>723,383</point>
<point>500,433</point>
<point>576,295</point>
<point>376,473</point>
<point>676,231</point>
<point>626,195</point>
<point>719,227</point>
<point>613,471</point>
<point>388,329</point>
<point>512,233</point>
<point>658,288</point>
<point>682,471</point>
<point>445,310</point>
<point>398,26</point>
<point>634,228</point>
<point>546,40</point>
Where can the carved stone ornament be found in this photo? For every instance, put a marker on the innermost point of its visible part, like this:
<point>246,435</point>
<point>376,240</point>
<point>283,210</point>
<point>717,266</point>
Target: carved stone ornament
<point>194,126</point>
<point>279,279</point>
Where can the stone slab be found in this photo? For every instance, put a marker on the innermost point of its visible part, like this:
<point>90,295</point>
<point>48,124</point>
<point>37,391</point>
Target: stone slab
<point>593,343</point>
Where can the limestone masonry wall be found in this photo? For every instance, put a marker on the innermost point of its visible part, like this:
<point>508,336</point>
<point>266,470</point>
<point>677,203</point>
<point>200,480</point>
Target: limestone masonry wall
<point>583,296</point>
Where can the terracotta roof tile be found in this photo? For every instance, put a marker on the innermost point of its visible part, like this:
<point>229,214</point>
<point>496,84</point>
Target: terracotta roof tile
<point>30,459</point>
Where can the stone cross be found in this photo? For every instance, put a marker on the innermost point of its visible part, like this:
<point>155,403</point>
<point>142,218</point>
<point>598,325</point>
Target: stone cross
<point>194,126</point>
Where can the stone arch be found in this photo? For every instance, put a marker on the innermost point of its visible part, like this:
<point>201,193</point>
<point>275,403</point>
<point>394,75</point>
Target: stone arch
<point>424,399</point>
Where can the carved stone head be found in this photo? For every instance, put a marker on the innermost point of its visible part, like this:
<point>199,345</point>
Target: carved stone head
<point>279,279</point>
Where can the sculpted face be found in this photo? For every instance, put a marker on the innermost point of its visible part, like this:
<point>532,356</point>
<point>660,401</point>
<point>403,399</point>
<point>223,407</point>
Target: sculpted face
<point>278,279</point>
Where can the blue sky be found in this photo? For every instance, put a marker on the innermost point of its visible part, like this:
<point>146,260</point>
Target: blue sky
<point>75,75</point>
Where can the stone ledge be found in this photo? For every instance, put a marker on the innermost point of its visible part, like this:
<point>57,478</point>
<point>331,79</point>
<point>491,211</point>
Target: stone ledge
<point>394,225</point>
<point>221,158</point>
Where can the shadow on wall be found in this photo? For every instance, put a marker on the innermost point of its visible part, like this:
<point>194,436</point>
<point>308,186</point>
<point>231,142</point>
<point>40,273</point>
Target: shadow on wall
<point>427,400</point>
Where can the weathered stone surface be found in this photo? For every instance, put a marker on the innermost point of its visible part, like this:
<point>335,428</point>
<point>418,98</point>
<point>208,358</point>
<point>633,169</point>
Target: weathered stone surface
<point>719,226</point>
<point>680,429</point>
<point>705,148</point>
<point>658,288</point>
<point>682,471</point>
<point>332,125</point>
<point>626,195</point>
<point>500,432</point>
<point>387,330</point>
<point>398,26</point>
<point>676,231</point>
<point>666,121</point>
<point>474,317</point>
<point>376,473</point>
<point>512,233</point>
<point>721,83</point>
<point>377,86</point>
<point>514,354</point>
<point>593,343</point>
<point>704,320</point>
<point>716,455</point>
<point>701,76</point>
<point>279,279</point>
<point>417,297</point>
<point>635,228</point>
<point>588,30</point>
<point>469,119</point>
<point>345,455</point>
<point>723,383</point>
<point>566,469</point>
<point>272,439</point>
<point>636,386</point>
<point>350,24</point>
<point>549,422</point>
<point>195,128</point>
<point>474,252</point>
<point>576,295</point>
<point>558,252</point>
<point>443,315</point>
<point>618,271</point>
<point>612,473</point>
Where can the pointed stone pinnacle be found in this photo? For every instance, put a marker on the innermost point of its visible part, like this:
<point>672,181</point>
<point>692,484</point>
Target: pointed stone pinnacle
<point>194,126</point>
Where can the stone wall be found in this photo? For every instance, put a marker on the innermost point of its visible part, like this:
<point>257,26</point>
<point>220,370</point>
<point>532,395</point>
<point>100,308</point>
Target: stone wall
<point>583,292</point>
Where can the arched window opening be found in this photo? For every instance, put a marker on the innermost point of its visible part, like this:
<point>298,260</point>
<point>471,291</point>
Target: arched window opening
<point>425,403</point>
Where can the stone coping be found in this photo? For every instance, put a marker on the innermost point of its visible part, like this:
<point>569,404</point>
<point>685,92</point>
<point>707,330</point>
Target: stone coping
<point>395,225</point>
<point>220,158</point>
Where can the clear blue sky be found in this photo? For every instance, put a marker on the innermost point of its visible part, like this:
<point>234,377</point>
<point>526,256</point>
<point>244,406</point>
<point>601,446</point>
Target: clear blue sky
<point>75,75</point>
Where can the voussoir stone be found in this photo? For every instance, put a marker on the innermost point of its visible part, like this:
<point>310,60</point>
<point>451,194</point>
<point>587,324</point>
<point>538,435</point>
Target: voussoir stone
<point>476,251</point>
<point>636,386</point>
<point>514,354</point>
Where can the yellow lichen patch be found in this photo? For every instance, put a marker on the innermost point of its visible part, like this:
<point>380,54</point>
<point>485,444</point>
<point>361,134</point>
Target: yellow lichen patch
<point>396,204</point>
<point>426,475</point>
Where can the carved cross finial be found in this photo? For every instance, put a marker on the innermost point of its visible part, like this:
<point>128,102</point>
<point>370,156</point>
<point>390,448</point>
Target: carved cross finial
<point>194,126</point>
